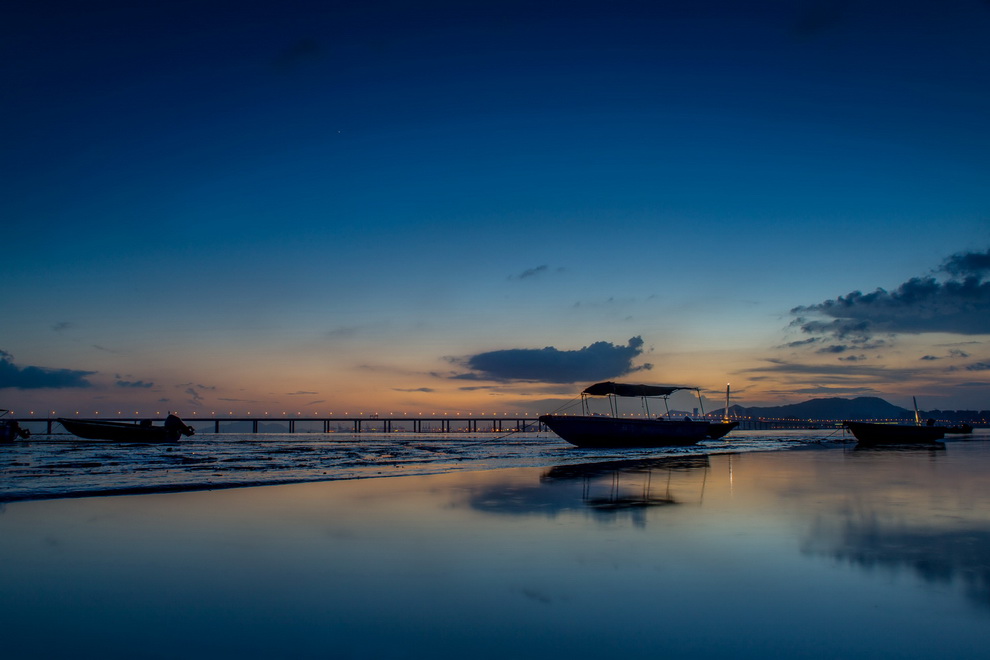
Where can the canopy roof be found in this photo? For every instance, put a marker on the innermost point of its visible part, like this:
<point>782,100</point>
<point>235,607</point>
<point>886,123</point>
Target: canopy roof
<point>623,389</point>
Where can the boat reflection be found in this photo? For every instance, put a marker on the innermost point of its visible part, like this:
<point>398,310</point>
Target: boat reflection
<point>606,488</point>
<point>627,484</point>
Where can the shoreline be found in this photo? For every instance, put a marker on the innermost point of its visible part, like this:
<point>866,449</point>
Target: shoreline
<point>74,479</point>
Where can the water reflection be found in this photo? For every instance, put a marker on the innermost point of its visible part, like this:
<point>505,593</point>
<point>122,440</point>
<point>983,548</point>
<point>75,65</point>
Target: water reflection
<point>918,511</point>
<point>919,448</point>
<point>606,488</point>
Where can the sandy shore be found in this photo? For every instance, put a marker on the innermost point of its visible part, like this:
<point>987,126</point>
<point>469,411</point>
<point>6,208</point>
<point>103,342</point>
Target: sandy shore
<point>817,553</point>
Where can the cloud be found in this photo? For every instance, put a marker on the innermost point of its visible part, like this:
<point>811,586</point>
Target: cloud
<point>134,384</point>
<point>417,389</point>
<point>33,378</point>
<point>958,305</point>
<point>537,271</point>
<point>979,366</point>
<point>532,272</point>
<point>599,361</point>
<point>192,390</point>
<point>967,264</point>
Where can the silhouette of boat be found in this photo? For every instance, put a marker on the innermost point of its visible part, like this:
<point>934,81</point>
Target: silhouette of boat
<point>868,433</point>
<point>145,431</point>
<point>10,430</point>
<point>959,428</point>
<point>611,431</point>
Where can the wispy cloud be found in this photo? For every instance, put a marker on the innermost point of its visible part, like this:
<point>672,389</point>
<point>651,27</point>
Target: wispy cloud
<point>135,384</point>
<point>536,271</point>
<point>195,392</point>
<point>599,361</point>
<point>32,378</point>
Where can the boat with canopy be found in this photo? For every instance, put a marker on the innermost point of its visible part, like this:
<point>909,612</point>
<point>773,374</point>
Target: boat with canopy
<point>601,430</point>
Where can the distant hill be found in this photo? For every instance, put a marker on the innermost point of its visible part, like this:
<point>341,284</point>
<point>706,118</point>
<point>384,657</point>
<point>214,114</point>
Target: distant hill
<point>864,407</point>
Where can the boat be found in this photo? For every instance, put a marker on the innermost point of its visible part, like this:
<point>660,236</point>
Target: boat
<point>611,431</point>
<point>868,433</point>
<point>144,431</point>
<point>871,433</point>
<point>962,429</point>
<point>10,430</point>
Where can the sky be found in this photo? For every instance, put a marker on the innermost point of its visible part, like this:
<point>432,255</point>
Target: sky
<point>423,207</point>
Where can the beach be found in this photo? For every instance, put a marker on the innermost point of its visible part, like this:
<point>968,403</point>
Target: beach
<point>823,550</point>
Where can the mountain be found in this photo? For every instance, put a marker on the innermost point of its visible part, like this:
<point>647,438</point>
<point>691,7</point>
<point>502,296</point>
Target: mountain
<point>864,407</point>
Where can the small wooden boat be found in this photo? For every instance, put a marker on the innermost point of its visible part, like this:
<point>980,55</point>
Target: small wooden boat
<point>93,429</point>
<point>611,431</point>
<point>868,433</point>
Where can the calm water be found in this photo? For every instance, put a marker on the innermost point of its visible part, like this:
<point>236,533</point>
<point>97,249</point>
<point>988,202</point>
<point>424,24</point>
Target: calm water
<point>825,552</point>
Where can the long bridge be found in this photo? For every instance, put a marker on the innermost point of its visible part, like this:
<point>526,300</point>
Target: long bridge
<point>390,424</point>
<point>371,424</point>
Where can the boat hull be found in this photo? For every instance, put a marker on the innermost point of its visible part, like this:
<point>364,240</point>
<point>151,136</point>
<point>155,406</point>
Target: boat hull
<point>609,432</point>
<point>11,431</point>
<point>118,431</point>
<point>718,430</point>
<point>894,434</point>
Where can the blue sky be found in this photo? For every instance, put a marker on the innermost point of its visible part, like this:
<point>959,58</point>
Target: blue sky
<point>330,206</point>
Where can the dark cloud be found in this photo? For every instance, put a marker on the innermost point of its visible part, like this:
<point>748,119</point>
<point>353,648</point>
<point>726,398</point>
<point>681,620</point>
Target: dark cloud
<point>33,378</point>
<point>979,366</point>
<point>967,264</point>
<point>599,361</point>
<point>133,383</point>
<point>959,305</point>
<point>417,389</point>
<point>62,326</point>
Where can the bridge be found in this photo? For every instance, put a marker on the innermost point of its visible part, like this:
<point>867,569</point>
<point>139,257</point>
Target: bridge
<point>297,424</point>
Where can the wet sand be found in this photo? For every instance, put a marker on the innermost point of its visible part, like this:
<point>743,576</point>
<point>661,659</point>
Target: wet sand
<point>816,553</point>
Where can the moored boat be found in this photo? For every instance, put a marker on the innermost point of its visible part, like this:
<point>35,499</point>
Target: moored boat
<point>93,429</point>
<point>611,431</point>
<point>869,433</point>
<point>10,430</point>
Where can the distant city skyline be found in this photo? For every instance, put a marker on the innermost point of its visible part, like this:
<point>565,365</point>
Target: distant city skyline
<point>446,207</point>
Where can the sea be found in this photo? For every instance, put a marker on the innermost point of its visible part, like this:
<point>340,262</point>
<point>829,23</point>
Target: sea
<point>790,544</point>
<point>53,466</point>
